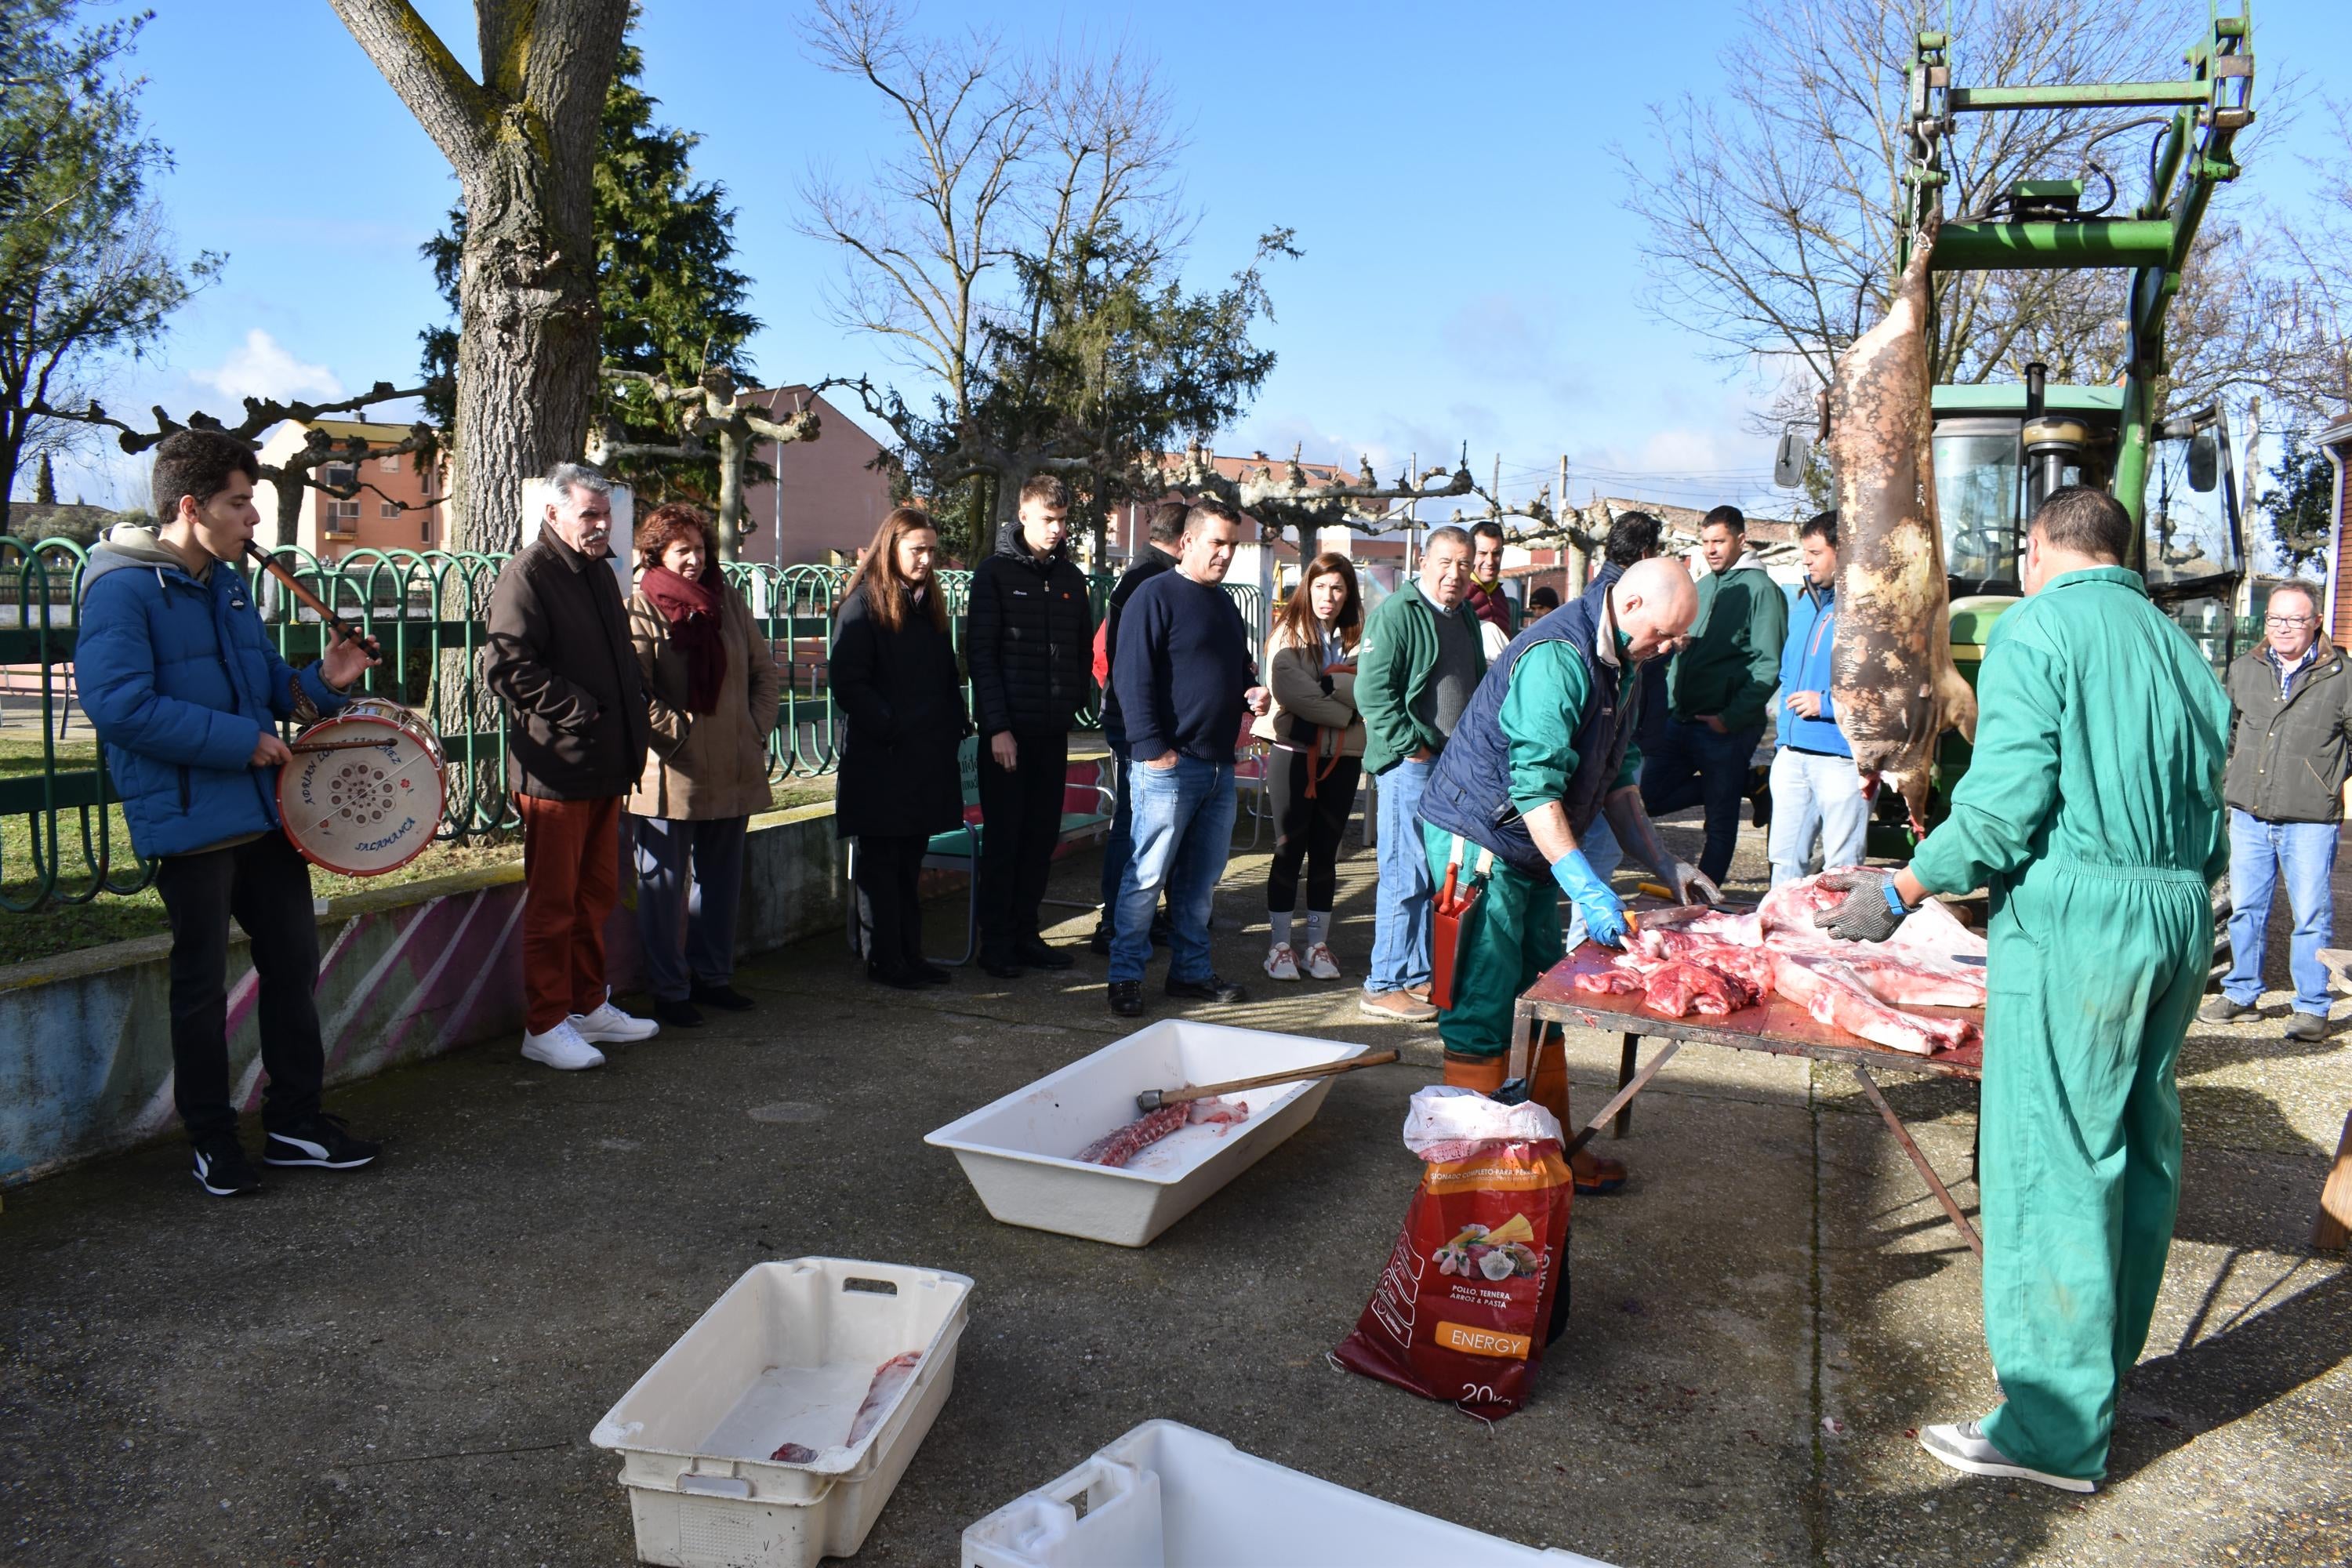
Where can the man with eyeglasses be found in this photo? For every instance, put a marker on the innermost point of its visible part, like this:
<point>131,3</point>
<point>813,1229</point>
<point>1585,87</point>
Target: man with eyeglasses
<point>2291,701</point>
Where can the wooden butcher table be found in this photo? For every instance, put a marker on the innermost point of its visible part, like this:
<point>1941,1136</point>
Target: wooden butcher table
<point>1776,1024</point>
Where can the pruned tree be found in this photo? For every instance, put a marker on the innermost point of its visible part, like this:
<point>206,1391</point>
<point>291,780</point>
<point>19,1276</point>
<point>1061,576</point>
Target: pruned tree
<point>1771,203</point>
<point>1020,255</point>
<point>710,421</point>
<point>87,271</point>
<point>670,302</point>
<point>522,143</point>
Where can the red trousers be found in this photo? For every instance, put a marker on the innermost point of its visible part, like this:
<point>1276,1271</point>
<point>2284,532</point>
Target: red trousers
<point>570,879</point>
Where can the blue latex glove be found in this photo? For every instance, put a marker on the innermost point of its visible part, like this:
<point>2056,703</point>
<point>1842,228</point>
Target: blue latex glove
<point>1603,911</point>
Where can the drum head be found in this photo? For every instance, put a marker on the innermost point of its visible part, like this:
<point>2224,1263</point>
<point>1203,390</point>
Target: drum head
<point>368,807</point>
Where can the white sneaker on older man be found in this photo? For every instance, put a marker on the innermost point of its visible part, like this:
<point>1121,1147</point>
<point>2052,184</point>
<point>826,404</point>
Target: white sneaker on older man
<point>608,1023</point>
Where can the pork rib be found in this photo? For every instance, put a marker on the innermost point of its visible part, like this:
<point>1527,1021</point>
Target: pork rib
<point>1834,994</point>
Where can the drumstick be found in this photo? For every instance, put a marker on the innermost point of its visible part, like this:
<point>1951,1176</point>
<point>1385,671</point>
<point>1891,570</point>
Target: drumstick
<point>271,564</point>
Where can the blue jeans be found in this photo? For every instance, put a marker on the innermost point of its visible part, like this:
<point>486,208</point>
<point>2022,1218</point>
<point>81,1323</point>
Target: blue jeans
<point>1605,855</point>
<point>1402,913</point>
<point>1183,831</point>
<point>1812,792</point>
<point>2260,853</point>
<point>1119,843</point>
<point>1694,766</point>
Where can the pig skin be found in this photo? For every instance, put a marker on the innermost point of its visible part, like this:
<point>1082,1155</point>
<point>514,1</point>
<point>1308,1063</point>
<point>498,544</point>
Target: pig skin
<point>1893,681</point>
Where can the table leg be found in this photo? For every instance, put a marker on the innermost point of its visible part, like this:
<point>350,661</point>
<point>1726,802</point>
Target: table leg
<point>1616,1108</point>
<point>1926,1171</point>
<point>1629,1054</point>
<point>2335,1223</point>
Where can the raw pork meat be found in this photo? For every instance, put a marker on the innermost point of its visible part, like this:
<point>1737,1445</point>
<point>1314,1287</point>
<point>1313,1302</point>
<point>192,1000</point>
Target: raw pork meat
<point>1791,906</point>
<point>1677,989</point>
<point>1752,964</point>
<point>1118,1146</point>
<point>888,1379</point>
<point>1835,994</point>
<point>794,1454</point>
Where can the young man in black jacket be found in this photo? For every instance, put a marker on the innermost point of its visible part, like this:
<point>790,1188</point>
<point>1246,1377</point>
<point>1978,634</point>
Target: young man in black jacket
<point>1030,643</point>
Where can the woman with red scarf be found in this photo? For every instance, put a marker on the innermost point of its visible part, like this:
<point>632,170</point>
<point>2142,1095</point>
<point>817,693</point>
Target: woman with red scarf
<point>712,687</point>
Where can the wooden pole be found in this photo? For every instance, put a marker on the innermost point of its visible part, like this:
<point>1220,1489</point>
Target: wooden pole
<point>2334,1227</point>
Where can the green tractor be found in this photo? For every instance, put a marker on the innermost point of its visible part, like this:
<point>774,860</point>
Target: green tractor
<point>2000,449</point>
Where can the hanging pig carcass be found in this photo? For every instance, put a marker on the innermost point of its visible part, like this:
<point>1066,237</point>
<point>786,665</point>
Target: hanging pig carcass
<point>1894,684</point>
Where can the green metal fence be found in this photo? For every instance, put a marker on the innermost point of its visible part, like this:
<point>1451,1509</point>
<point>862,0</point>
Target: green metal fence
<point>426,610</point>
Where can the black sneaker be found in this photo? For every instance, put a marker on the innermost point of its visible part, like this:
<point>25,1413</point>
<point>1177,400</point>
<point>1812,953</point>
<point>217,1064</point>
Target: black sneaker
<point>1210,990</point>
<point>1038,954</point>
<point>319,1139</point>
<point>678,1014</point>
<point>723,996</point>
<point>223,1170</point>
<point>1002,968</point>
<point>930,973</point>
<point>896,979</point>
<point>1127,998</point>
<point>1100,942</point>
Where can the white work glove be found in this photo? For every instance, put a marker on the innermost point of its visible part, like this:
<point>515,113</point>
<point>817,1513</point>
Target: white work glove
<point>1688,879</point>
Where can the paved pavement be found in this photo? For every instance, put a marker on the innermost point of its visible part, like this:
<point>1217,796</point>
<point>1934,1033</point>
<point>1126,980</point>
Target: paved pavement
<point>401,1366</point>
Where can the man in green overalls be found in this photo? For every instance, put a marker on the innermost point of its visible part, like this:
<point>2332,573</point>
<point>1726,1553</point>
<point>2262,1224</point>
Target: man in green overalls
<point>1545,750</point>
<point>2091,809</point>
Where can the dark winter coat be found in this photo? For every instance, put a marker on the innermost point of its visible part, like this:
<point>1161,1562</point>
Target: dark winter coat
<point>904,703</point>
<point>2289,755</point>
<point>1029,639</point>
<point>560,659</point>
<point>180,682</point>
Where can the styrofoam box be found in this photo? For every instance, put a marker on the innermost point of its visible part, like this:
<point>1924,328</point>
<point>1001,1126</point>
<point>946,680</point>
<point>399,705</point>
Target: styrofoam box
<point>1018,1152</point>
<point>1170,1495</point>
<point>786,1355</point>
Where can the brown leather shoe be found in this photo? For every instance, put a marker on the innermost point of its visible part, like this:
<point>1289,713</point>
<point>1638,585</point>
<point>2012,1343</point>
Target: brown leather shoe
<point>1394,1007</point>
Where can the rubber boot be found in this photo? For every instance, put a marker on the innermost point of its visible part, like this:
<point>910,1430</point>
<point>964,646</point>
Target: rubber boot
<point>1484,1074</point>
<point>1595,1174</point>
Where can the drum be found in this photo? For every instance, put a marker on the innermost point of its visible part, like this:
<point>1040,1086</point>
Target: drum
<point>364,792</point>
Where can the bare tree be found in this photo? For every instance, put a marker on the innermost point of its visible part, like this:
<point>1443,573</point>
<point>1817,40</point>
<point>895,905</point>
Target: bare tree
<point>522,143</point>
<point>2315,372</point>
<point>1772,204</point>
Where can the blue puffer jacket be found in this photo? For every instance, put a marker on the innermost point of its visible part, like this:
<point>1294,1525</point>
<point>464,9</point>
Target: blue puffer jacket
<point>1805,667</point>
<point>181,682</point>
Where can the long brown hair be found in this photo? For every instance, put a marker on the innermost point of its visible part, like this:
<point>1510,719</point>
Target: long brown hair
<point>887,590</point>
<point>1295,626</point>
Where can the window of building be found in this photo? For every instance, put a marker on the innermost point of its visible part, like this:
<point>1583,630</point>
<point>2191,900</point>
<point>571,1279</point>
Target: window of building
<point>388,509</point>
<point>390,461</point>
<point>338,474</point>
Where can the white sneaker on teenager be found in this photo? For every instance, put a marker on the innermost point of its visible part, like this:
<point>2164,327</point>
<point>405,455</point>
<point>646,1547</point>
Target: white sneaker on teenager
<point>609,1023</point>
<point>1281,964</point>
<point>1319,963</point>
<point>561,1048</point>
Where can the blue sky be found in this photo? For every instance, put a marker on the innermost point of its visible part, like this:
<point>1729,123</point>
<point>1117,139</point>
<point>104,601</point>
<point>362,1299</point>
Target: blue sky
<point>1468,274</point>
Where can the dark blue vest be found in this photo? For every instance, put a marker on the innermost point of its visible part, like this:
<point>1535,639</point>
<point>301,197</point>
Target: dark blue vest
<point>1470,793</point>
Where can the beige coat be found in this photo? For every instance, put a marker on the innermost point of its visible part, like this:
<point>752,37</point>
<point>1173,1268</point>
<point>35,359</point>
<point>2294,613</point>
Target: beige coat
<point>1295,679</point>
<point>706,766</point>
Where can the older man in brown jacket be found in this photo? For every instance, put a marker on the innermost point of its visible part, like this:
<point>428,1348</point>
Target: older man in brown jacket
<point>560,660</point>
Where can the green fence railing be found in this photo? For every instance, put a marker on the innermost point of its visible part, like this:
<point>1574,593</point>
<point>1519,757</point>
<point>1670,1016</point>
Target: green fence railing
<point>62,840</point>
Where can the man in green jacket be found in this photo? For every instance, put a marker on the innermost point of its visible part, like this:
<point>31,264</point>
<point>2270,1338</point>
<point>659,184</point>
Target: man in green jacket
<point>2288,759</point>
<point>2091,809</point>
<point>1717,689</point>
<point>1416,668</point>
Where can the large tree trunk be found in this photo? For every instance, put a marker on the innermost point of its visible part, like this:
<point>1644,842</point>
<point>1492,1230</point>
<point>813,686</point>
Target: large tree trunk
<point>523,144</point>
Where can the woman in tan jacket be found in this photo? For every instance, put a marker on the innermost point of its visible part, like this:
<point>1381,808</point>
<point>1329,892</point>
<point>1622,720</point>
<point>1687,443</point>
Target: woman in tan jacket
<point>1319,747</point>
<point>712,687</point>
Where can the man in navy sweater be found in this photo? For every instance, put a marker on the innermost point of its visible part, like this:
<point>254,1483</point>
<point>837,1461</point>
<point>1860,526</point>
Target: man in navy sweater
<point>1184,678</point>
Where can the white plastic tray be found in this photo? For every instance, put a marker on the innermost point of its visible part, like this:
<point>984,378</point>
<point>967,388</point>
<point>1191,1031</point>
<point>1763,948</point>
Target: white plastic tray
<point>785,1355</point>
<point>1170,1495</point>
<point>1017,1152</point>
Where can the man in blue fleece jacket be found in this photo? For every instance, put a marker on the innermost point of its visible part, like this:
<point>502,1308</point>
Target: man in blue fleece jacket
<point>1184,678</point>
<point>180,681</point>
<point>1814,785</point>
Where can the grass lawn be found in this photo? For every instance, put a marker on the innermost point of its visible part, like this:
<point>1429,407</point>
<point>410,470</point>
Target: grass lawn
<point>55,927</point>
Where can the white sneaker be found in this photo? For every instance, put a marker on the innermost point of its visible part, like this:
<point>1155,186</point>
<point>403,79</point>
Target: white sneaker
<point>562,1048</point>
<point>1965,1448</point>
<point>1281,964</point>
<point>1319,963</point>
<point>609,1023</point>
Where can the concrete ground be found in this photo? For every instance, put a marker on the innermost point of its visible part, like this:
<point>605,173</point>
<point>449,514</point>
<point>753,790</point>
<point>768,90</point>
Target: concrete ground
<point>401,1366</point>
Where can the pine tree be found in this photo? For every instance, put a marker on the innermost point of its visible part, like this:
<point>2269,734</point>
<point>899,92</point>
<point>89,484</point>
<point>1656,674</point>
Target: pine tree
<point>670,303</point>
<point>45,484</point>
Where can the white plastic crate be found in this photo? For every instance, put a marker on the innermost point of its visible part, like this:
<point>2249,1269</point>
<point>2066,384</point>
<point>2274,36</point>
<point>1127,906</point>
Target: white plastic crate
<point>786,1355</point>
<point>1170,1495</point>
<point>1018,1152</point>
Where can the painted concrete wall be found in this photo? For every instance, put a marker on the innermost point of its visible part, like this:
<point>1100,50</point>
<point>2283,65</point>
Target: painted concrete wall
<point>405,974</point>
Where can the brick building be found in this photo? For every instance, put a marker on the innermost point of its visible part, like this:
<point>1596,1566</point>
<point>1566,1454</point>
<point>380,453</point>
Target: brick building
<point>2337,442</point>
<point>399,506</point>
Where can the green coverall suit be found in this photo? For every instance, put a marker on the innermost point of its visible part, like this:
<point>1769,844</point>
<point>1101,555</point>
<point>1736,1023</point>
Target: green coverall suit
<point>1514,931</point>
<point>2091,809</point>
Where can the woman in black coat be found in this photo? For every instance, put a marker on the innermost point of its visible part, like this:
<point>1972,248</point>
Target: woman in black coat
<point>894,676</point>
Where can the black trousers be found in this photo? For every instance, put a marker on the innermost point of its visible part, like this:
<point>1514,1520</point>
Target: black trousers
<point>1307,830</point>
<point>1021,817</point>
<point>266,885</point>
<point>889,874</point>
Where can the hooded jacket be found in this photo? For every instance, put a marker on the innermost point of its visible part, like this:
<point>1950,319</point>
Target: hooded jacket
<point>1030,639</point>
<point>1733,659</point>
<point>177,674</point>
